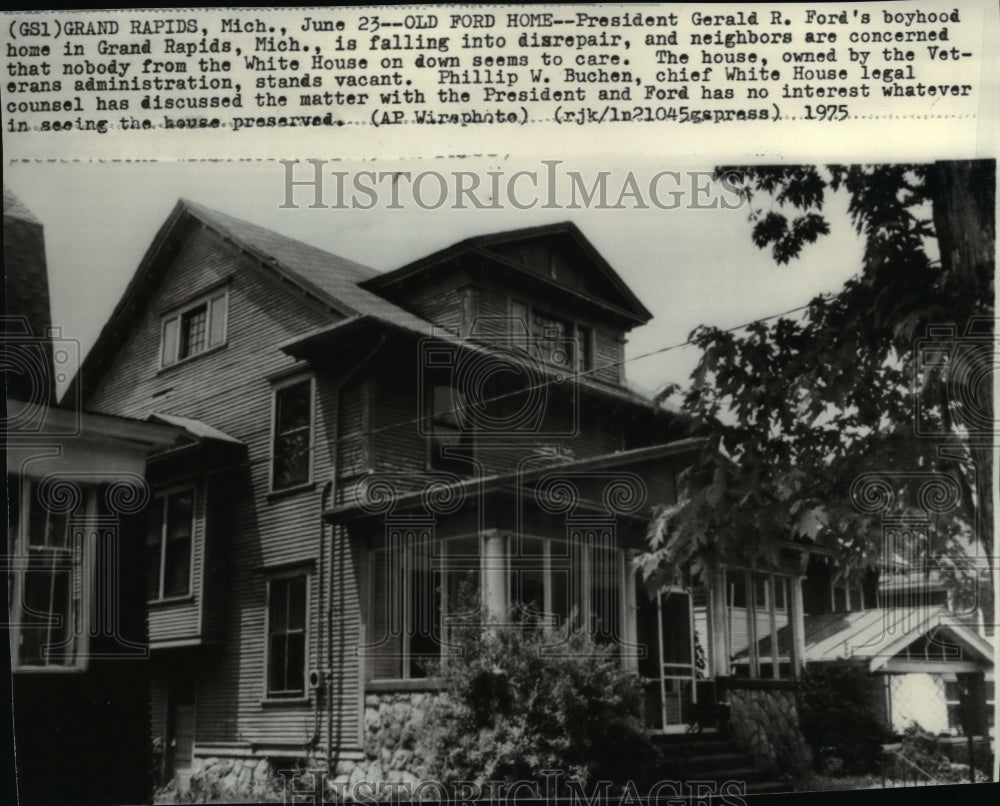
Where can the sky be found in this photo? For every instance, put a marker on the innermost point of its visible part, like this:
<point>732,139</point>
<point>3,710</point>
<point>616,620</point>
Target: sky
<point>688,266</point>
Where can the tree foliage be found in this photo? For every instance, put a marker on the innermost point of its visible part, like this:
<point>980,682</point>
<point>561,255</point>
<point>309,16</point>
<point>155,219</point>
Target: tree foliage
<point>794,411</point>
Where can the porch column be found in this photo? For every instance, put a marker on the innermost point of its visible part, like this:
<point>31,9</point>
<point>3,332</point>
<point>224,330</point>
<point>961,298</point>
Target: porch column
<point>716,583</point>
<point>797,622</point>
<point>495,575</point>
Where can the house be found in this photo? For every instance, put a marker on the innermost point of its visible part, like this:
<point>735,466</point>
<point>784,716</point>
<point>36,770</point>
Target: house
<point>75,491</point>
<point>930,658</point>
<point>361,447</point>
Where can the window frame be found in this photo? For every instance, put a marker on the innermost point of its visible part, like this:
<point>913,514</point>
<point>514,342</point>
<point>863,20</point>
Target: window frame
<point>83,576</point>
<point>552,562</point>
<point>276,388</point>
<point>295,573</point>
<point>572,335</point>
<point>164,496</point>
<point>177,315</point>
<point>781,665</point>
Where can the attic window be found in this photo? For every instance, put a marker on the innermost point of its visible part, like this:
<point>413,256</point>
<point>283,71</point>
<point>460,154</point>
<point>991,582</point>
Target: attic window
<point>197,327</point>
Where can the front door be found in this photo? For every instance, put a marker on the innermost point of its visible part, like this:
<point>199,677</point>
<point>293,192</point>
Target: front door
<point>666,630</point>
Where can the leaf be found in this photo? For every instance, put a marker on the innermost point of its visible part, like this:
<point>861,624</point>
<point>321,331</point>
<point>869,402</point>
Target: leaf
<point>811,522</point>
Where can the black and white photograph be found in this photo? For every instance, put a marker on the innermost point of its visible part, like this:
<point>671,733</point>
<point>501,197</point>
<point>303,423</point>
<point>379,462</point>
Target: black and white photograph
<point>553,474</point>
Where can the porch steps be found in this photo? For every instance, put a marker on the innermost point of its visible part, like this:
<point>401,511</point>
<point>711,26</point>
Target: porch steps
<point>711,757</point>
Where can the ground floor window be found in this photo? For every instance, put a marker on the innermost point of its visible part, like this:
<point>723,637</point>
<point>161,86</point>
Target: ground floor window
<point>422,588</point>
<point>47,608</point>
<point>286,636</point>
<point>758,625</point>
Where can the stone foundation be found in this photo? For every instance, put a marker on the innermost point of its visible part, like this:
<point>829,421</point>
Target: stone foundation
<point>391,754</point>
<point>766,721</point>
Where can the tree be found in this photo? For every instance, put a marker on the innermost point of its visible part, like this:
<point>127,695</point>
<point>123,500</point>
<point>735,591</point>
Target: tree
<point>796,410</point>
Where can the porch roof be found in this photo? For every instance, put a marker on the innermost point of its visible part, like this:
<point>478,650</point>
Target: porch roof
<point>877,635</point>
<point>360,507</point>
<point>194,429</point>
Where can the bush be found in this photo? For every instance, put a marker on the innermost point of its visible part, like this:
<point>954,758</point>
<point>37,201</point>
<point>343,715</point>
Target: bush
<point>922,753</point>
<point>519,701</point>
<point>836,703</point>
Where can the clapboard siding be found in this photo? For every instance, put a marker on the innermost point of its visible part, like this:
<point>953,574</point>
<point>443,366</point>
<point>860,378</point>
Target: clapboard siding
<point>229,388</point>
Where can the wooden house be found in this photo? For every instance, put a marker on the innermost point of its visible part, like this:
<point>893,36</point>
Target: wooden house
<point>359,446</point>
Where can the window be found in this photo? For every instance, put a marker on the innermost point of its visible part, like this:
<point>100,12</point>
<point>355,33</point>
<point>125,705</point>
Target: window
<point>422,588</point>
<point>286,636</point>
<point>450,442</point>
<point>846,596</point>
<point>551,339</point>
<point>353,415</point>
<point>757,618</point>
<point>195,328</point>
<point>49,608</point>
<point>168,544</point>
<point>419,587</point>
<point>292,448</point>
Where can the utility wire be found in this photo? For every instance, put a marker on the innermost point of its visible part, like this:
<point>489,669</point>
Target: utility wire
<point>528,389</point>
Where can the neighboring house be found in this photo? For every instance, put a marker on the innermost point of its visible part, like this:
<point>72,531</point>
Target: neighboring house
<point>361,447</point>
<point>903,632</point>
<point>75,489</point>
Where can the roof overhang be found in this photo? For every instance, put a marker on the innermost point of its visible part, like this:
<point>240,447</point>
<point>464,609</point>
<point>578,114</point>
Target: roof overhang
<point>631,309</point>
<point>318,344</point>
<point>517,482</point>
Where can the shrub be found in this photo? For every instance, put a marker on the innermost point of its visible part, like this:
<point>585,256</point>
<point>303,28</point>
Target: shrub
<point>520,700</point>
<point>836,703</point>
<point>922,753</point>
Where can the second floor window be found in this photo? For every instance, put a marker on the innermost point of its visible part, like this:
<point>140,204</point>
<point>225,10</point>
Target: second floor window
<point>450,439</point>
<point>168,545</point>
<point>195,328</point>
<point>292,448</point>
<point>552,339</point>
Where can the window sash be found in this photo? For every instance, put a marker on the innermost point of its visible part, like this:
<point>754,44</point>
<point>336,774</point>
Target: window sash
<point>286,640</point>
<point>291,450</point>
<point>756,619</point>
<point>450,445</point>
<point>414,589</point>
<point>194,329</point>
<point>170,545</point>
<point>48,610</point>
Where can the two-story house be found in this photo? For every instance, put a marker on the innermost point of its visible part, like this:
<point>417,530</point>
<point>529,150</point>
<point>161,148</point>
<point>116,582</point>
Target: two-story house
<point>361,447</point>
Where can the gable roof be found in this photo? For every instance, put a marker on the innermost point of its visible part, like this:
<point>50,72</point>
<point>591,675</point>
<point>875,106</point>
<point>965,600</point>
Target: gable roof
<point>875,635</point>
<point>328,278</point>
<point>628,303</point>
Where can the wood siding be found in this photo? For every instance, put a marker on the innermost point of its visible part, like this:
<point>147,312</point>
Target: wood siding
<point>230,388</point>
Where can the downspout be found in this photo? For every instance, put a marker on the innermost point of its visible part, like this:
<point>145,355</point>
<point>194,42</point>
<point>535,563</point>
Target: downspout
<point>324,500</point>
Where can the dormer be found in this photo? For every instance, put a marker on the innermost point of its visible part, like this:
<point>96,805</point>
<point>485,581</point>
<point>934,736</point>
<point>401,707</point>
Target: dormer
<point>547,284</point>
